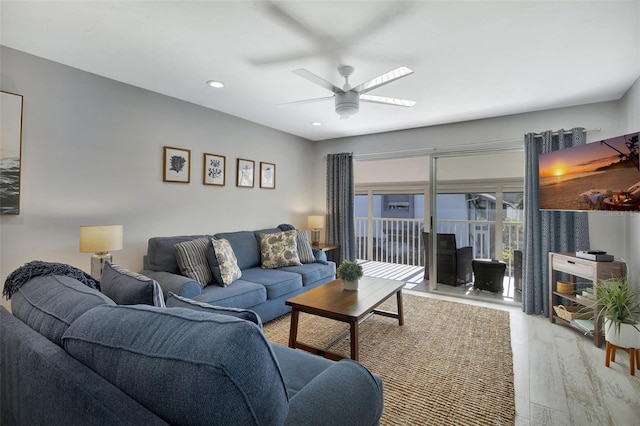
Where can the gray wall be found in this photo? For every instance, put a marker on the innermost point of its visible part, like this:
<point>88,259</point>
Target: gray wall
<point>92,154</point>
<point>617,234</point>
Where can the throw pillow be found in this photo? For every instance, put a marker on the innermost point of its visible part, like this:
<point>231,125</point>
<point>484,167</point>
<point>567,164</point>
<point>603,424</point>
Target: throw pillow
<point>175,301</point>
<point>227,262</point>
<point>305,252</point>
<point>128,288</point>
<point>279,249</point>
<point>192,259</point>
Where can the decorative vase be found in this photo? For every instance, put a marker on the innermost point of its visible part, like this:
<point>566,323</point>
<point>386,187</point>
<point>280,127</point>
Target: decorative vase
<point>350,285</point>
<point>628,337</point>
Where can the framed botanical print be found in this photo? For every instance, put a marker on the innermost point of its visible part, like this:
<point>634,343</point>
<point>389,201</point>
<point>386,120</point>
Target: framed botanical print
<point>10,152</point>
<point>245,173</point>
<point>177,165</point>
<point>267,175</point>
<point>214,170</point>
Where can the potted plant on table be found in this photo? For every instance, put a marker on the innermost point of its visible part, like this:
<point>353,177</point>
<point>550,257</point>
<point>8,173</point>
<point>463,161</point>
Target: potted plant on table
<point>619,305</point>
<point>350,272</point>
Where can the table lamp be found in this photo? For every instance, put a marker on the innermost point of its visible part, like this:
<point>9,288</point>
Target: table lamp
<point>100,240</point>
<point>315,223</point>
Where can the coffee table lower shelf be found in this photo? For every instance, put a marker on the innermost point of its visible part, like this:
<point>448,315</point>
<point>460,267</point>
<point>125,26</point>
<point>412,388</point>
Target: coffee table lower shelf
<point>332,301</point>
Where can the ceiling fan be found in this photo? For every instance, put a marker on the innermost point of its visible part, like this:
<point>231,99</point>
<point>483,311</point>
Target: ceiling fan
<point>347,98</point>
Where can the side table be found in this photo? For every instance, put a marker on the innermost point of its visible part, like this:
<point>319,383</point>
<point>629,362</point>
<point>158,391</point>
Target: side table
<point>331,250</point>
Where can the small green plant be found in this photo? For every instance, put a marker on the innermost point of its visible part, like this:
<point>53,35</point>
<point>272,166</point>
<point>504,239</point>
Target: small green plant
<point>349,270</point>
<point>618,302</point>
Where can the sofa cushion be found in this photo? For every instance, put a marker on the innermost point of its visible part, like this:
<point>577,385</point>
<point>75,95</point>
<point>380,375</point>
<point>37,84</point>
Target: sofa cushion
<point>313,272</point>
<point>128,288</point>
<point>242,294</point>
<point>49,304</point>
<point>189,367</point>
<point>161,252</point>
<point>278,249</point>
<point>192,260</point>
<point>226,270</point>
<point>276,281</point>
<point>175,301</point>
<point>245,246</point>
<point>305,252</point>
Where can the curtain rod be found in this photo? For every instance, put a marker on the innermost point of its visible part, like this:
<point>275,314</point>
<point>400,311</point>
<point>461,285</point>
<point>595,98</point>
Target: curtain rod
<point>456,148</point>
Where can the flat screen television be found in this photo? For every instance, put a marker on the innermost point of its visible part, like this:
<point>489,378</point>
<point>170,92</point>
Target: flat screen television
<point>602,175</point>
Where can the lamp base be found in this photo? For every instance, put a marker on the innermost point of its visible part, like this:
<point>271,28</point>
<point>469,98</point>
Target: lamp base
<point>97,264</point>
<point>315,237</point>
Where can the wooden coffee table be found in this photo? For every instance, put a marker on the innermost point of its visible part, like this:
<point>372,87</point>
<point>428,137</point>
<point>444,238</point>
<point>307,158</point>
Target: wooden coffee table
<point>331,300</point>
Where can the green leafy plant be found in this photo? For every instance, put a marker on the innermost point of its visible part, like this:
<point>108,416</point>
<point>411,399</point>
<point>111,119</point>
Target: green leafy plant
<point>349,270</point>
<point>618,302</point>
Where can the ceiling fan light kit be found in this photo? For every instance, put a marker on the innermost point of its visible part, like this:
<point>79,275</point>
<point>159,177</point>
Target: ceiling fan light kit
<point>347,103</point>
<point>347,99</point>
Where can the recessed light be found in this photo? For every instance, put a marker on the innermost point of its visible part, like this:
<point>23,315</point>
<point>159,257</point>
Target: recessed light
<point>316,123</point>
<point>214,83</point>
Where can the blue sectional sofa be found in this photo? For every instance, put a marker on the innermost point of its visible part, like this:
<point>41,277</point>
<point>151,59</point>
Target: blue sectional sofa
<point>70,356</point>
<point>261,290</point>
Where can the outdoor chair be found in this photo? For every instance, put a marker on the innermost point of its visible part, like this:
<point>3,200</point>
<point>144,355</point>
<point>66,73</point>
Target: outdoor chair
<point>454,264</point>
<point>488,275</point>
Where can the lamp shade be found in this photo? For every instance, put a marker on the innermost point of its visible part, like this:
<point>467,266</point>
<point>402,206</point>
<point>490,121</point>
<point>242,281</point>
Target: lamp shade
<point>98,239</point>
<point>315,222</point>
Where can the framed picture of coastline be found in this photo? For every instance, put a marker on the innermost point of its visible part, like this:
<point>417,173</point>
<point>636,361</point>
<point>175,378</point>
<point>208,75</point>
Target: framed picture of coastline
<point>601,175</point>
<point>10,152</point>
<point>245,173</point>
<point>267,175</point>
<point>215,169</point>
<point>176,165</point>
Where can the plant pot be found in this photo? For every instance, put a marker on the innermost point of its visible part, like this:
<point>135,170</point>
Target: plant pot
<point>350,285</point>
<point>628,337</point>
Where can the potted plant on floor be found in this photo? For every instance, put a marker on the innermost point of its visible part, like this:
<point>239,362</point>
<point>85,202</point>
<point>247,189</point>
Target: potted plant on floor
<point>350,272</point>
<point>620,307</point>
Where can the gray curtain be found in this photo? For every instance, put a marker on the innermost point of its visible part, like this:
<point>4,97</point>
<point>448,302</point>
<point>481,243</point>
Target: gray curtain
<point>340,205</point>
<point>547,231</point>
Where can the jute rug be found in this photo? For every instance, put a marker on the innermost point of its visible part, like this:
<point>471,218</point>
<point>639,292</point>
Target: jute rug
<point>449,364</point>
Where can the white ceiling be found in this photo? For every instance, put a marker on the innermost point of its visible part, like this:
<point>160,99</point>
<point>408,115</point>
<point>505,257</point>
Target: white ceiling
<point>472,60</point>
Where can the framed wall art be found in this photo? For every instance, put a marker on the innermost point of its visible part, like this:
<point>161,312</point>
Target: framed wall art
<point>267,175</point>
<point>245,173</point>
<point>177,165</point>
<point>215,169</point>
<point>10,152</point>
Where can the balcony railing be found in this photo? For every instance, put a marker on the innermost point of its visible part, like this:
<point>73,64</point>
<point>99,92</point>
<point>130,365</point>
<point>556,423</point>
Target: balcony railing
<point>400,240</point>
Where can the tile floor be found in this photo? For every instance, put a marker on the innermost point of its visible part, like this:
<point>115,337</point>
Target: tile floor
<point>559,375</point>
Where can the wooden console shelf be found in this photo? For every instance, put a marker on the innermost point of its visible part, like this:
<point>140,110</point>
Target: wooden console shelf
<point>577,267</point>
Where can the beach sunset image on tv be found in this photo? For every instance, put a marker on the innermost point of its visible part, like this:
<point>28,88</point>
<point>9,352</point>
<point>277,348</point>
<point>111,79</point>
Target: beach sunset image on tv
<point>602,175</point>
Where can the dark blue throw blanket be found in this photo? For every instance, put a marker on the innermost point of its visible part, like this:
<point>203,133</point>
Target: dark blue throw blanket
<point>38,268</point>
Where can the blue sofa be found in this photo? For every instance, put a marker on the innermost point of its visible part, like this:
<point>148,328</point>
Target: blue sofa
<point>70,356</point>
<point>264,291</point>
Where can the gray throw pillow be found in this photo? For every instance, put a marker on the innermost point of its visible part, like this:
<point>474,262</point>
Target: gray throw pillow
<point>175,301</point>
<point>192,259</point>
<point>305,252</point>
<point>129,288</point>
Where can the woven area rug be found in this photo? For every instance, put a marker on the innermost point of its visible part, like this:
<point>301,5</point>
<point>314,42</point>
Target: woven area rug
<point>449,364</point>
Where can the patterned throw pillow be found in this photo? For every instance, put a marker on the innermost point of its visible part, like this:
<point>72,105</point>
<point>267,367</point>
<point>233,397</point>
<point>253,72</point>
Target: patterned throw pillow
<point>279,249</point>
<point>128,288</point>
<point>192,259</point>
<point>229,270</point>
<point>305,252</point>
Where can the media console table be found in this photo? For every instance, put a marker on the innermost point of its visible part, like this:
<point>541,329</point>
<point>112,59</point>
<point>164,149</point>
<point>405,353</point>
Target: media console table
<point>577,267</point>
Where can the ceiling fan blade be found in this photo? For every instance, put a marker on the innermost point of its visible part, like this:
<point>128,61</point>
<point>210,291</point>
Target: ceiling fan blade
<point>387,101</point>
<point>383,79</point>
<point>317,80</point>
<point>307,101</point>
